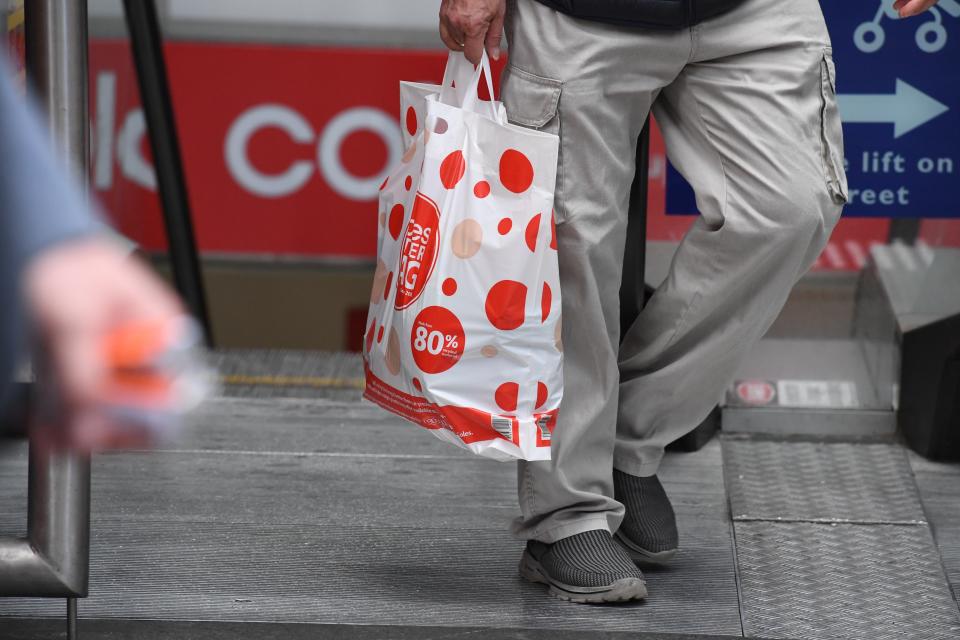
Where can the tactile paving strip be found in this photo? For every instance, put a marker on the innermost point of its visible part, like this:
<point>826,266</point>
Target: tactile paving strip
<point>820,482</point>
<point>813,581</point>
<point>279,373</point>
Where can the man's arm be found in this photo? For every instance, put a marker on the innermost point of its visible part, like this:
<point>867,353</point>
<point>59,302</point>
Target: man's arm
<point>36,212</point>
<point>472,25</point>
<point>39,206</point>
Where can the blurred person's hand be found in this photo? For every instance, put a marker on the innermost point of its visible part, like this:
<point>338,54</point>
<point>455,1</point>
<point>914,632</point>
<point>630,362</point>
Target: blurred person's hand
<point>472,25</point>
<point>77,292</point>
<point>909,8</point>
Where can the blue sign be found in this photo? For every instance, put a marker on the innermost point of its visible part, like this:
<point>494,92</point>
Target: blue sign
<point>898,86</point>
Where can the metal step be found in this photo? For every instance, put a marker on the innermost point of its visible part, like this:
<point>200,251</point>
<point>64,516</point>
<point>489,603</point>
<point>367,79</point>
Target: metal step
<point>165,630</point>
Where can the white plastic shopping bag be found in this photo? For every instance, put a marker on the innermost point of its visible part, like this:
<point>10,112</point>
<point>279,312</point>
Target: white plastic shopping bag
<point>463,332</point>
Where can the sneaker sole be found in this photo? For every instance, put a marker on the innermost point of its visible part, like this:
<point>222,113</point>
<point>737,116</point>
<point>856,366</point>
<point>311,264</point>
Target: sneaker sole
<point>639,554</point>
<point>623,590</point>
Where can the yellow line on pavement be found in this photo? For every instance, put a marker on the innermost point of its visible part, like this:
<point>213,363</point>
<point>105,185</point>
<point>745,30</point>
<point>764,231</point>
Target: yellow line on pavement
<point>295,381</point>
<point>15,19</point>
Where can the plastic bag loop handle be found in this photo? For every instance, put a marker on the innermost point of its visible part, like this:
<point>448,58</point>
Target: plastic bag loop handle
<point>458,68</point>
<point>456,78</point>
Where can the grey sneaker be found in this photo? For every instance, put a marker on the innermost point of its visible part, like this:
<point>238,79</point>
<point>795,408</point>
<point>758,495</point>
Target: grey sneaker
<point>649,529</point>
<point>585,568</point>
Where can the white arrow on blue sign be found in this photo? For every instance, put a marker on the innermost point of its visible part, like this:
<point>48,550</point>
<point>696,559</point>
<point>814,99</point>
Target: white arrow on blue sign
<point>907,108</point>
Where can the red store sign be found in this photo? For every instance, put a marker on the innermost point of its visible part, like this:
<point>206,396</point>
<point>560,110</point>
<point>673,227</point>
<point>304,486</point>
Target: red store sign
<point>285,148</point>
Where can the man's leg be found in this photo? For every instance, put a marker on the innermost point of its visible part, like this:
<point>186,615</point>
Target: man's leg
<point>609,77</point>
<point>752,124</point>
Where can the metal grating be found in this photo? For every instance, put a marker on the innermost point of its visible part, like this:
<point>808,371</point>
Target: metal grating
<point>939,484</point>
<point>820,482</point>
<point>817,581</point>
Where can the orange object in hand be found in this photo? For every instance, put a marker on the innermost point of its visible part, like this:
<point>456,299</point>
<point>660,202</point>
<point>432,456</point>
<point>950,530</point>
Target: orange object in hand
<point>140,345</point>
<point>155,375</point>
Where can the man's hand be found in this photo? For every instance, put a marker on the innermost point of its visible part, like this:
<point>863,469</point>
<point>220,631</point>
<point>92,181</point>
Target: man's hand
<point>77,293</point>
<point>471,25</point>
<point>909,8</point>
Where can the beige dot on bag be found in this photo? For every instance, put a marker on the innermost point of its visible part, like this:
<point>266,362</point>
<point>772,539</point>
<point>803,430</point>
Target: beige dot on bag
<point>393,352</point>
<point>489,351</point>
<point>467,238</point>
<point>410,152</point>
<point>379,281</point>
<point>557,335</point>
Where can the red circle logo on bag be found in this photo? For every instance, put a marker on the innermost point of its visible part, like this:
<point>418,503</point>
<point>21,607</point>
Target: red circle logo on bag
<point>418,254</point>
<point>436,339</point>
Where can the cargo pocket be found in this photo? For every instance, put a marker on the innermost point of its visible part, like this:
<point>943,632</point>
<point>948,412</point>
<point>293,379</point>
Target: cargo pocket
<point>831,132</point>
<point>533,101</point>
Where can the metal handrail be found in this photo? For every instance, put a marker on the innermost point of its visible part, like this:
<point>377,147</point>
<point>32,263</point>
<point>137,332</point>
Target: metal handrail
<point>53,559</point>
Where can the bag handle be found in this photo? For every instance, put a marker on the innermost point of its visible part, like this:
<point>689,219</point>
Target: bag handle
<point>471,99</point>
<point>459,69</point>
<point>456,78</point>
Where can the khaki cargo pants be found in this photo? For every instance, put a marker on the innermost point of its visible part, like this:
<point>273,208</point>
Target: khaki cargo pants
<point>746,103</point>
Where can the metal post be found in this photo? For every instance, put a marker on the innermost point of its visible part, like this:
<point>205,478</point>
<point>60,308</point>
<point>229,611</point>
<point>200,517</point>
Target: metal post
<point>56,44</point>
<point>147,45</point>
<point>71,618</point>
<point>906,230</point>
<point>633,284</point>
<point>53,560</point>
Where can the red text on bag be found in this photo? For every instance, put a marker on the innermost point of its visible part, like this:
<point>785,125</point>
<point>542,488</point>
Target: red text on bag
<point>419,253</point>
